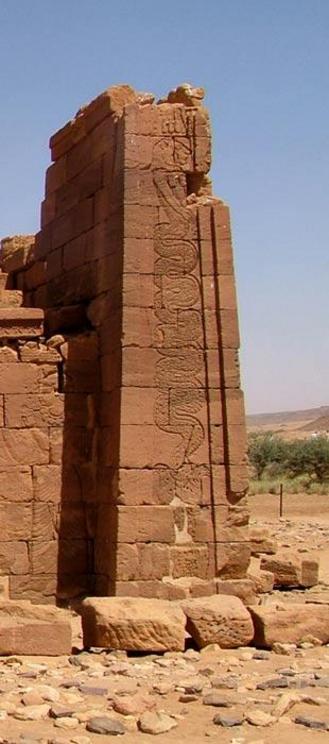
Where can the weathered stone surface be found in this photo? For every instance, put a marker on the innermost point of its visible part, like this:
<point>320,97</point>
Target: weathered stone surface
<point>156,723</point>
<point>286,568</point>
<point>290,569</point>
<point>129,455</point>
<point>261,541</point>
<point>106,726</point>
<point>263,581</point>
<point>291,622</point>
<point>219,619</point>
<point>28,629</point>
<point>259,718</point>
<point>227,720</point>
<point>132,624</point>
<point>21,322</point>
<point>244,589</point>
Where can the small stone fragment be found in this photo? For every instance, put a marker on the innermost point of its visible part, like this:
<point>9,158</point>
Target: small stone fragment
<point>105,726</point>
<point>228,720</point>
<point>66,723</point>
<point>312,723</point>
<point>221,683</point>
<point>285,703</point>
<point>156,722</point>
<point>284,649</point>
<point>132,705</point>
<point>218,701</point>
<point>259,718</point>
<point>61,711</point>
<point>32,712</point>
<point>272,683</point>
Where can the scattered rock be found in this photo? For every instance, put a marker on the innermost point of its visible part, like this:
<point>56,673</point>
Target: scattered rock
<point>259,718</point>
<point>132,705</point>
<point>66,723</point>
<point>156,723</point>
<point>312,723</point>
<point>285,703</point>
<point>272,683</point>
<point>104,725</point>
<point>213,698</point>
<point>61,711</point>
<point>284,649</point>
<point>32,712</point>
<point>221,683</point>
<point>228,720</point>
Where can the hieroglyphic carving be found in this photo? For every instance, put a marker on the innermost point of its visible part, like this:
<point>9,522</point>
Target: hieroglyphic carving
<point>179,331</point>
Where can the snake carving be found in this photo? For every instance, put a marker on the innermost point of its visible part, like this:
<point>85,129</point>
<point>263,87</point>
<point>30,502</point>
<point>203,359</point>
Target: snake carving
<point>178,332</point>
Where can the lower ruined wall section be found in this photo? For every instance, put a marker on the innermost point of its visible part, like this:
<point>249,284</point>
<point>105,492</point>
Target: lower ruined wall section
<point>47,485</point>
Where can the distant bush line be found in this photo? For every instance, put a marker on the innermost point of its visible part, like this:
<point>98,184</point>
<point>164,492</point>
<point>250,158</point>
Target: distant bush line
<point>299,464</point>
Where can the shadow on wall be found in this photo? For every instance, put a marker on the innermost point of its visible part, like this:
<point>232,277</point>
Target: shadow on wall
<point>86,455</point>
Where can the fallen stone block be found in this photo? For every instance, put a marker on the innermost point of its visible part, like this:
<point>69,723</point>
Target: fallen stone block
<point>310,572</point>
<point>221,619</point>
<point>263,581</point>
<point>291,622</point>
<point>30,630</point>
<point>244,589</point>
<point>261,541</point>
<point>132,624</point>
<point>290,570</point>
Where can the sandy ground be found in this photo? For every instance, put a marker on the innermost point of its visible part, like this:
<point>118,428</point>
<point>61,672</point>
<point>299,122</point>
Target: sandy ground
<point>295,506</point>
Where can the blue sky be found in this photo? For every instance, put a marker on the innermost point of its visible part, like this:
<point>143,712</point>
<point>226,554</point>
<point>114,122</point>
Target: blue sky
<point>265,65</point>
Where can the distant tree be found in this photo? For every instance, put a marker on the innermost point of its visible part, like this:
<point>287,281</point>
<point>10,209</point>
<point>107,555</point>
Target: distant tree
<point>264,449</point>
<point>309,456</point>
<point>297,459</point>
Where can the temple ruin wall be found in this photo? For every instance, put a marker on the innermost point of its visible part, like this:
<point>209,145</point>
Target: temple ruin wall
<point>124,427</point>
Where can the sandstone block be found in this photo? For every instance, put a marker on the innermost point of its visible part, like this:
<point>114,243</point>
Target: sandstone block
<point>244,589</point>
<point>16,521</point>
<point>38,588</point>
<point>189,561</point>
<point>263,581</point>
<point>16,484</point>
<point>27,629</point>
<point>19,378</point>
<point>14,558</point>
<point>31,410</point>
<point>261,541</point>
<point>219,619</point>
<point>310,572</point>
<point>21,322</point>
<point>47,483</point>
<point>231,559</point>
<point>132,624</point>
<point>286,569</point>
<point>147,524</point>
<point>291,622</point>
<point>23,447</point>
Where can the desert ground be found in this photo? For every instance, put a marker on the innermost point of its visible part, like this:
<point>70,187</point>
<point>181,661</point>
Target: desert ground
<point>246,687</point>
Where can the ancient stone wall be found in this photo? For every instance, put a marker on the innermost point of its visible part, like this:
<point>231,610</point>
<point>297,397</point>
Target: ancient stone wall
<point>135,252</point>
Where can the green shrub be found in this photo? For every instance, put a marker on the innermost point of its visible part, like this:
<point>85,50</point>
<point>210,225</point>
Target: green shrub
<point>273,458</point>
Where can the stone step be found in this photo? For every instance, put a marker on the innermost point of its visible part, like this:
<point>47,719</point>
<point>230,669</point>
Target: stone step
<point>21,322</point>
<point>11,298</point>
